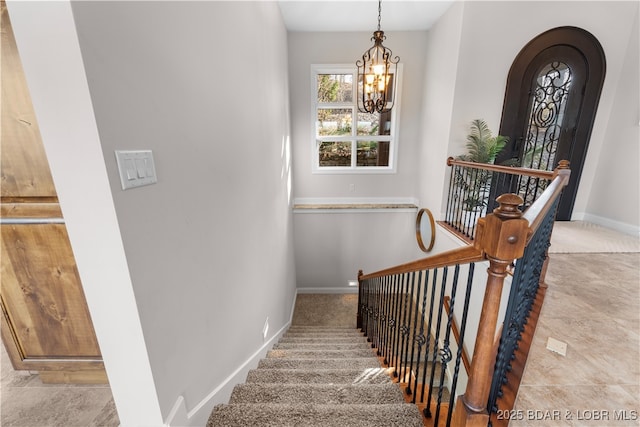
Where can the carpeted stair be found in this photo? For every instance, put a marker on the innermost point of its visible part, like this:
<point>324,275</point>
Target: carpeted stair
<point>314,377</point>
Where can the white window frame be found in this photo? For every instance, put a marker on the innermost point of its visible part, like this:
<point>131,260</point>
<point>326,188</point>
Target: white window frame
<point>317,69</point>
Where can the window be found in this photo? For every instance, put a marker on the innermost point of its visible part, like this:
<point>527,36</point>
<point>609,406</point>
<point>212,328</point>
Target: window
<point>344,139</point>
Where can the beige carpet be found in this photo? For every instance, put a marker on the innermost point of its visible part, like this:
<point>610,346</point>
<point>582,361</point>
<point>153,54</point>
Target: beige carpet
<point>318,376</point>
<point>586,237</point>
<point>336,310</point>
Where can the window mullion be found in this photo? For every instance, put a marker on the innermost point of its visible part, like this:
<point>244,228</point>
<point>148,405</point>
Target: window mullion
<point>354,135</point>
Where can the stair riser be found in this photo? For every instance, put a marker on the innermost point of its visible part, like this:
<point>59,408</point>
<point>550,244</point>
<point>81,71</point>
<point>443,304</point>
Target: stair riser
<point>242,415</point>
<point>326,393</point>
<point>318,354</point>
<point>324,340</point>
<point>321,346</point>
<point>351,363</point>
<point>325,376</point>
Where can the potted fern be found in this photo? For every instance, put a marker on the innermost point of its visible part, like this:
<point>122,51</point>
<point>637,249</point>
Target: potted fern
<point>482,147</point>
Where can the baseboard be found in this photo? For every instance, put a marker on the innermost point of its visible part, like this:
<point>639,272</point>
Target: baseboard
<point>349,290</point>
<point>180,416</point>
<point>631,230</point>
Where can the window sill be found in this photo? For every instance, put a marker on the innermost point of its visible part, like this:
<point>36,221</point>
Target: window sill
<point>354,207</point>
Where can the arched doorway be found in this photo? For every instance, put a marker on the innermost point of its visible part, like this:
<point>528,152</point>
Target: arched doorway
<point>551,98</point>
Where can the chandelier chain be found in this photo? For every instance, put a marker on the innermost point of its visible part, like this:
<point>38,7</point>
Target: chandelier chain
<point>379,12</point>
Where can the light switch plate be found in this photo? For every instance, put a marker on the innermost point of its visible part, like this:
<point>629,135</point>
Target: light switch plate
<point>136,168</point>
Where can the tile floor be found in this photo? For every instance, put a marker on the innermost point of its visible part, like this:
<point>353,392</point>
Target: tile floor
<point>26,402</point>
<point>592,304</point>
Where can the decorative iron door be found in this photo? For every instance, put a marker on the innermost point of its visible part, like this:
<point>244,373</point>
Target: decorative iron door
<point>552,93</point>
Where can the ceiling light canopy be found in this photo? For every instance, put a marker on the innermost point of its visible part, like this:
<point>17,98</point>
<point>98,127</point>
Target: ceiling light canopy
<point>376,74</point>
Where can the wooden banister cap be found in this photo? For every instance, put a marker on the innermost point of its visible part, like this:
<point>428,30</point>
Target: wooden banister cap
<point>508,208</point>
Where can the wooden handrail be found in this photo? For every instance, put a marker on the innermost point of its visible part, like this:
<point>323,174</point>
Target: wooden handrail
<point>456,334</point>
<point>512,170</point>
<point>462,255</point>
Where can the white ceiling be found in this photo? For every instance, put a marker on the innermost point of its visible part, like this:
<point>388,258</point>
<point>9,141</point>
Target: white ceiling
<point>361,15</point>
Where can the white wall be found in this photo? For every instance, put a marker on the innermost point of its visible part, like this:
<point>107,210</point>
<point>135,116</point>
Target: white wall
<point>442,57</point>
<point>209,248</point>
<point>330,247</point>
<point>614,197</point>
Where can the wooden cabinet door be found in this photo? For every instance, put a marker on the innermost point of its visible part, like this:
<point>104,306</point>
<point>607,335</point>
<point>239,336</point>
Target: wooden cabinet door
<point>42,294</point>
<point>24,168</point>
<point>45,321</point>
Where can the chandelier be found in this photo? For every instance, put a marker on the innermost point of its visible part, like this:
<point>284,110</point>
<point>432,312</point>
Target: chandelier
<point>377,75</point>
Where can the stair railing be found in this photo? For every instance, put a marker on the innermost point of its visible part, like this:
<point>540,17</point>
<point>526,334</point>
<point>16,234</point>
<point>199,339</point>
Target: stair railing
<point>474,187</point>
<point>401,312</point>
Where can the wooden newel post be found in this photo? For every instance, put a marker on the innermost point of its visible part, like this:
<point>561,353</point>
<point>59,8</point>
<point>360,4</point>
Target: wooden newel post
<point>503,240</point>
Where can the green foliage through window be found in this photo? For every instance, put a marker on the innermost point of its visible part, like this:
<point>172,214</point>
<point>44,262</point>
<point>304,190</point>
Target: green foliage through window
<point>344,137</point>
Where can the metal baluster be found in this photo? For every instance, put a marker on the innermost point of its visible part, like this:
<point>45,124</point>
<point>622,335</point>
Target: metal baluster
<point>382,347</point>
<point>445,352</point>
<point>376,341</point>
<point>381,320</point>
<point>360,301</point>
<point>450,213</point>
<point>457,222</point>
<point>416,308</point>
<point>399,325</point>
<point>374,316</point>
<point>389,320</point>
<point>379,313</point>
<point>421,339</point>
<point>434,282</point>
<point>406,325</point>
<point>463,326</point>
<point>364,284</point>
<point>436,342</point>
<point>370,309</point>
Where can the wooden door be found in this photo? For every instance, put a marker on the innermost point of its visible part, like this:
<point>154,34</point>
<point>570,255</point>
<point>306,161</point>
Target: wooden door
<point>552,94</point>
<point>46,324</point>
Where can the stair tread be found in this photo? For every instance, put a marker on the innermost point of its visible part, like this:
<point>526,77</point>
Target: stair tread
<point>322,328</point>
<point>316,415</point>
